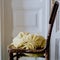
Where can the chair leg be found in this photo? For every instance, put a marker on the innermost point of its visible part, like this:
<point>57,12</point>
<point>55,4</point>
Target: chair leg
<point>10,56</point>
<point>47,56</point>
<point>17,56</point>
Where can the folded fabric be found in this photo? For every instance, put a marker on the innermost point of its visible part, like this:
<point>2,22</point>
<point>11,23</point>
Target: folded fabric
<point>29,41</point>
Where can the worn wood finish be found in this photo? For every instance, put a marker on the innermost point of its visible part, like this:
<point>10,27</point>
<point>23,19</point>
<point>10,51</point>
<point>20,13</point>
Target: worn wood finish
<point>11,56</point>
<point>51,23</point>
<point>46,50</point>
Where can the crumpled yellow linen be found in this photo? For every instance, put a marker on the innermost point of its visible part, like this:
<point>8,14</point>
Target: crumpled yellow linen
<point>29,41</point>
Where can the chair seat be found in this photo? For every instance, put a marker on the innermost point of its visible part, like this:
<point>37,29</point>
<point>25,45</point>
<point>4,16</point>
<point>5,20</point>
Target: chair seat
<point>28,53</point>
<point>13,49</point>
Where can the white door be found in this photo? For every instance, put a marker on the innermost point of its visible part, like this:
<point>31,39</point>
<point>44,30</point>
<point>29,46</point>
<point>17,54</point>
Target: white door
<point>55,38</point>
<point>27,16</point>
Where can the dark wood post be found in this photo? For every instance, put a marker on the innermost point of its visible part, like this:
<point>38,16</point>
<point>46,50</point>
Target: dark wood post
<point>51,23</point>
<point>17,56</point>
<point>10,56</point>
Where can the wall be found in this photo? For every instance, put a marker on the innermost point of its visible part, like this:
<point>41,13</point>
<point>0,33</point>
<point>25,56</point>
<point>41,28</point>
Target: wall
<point>0,29</point>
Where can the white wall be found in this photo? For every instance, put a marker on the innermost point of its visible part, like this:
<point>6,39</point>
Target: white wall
<point>0,29</point>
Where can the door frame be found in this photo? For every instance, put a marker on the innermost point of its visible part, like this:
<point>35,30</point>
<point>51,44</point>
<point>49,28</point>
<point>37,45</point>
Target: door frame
<point>2,29</point>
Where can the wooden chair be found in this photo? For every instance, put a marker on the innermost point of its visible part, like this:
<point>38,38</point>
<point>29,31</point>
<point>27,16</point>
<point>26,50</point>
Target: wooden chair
<point>46,50</point>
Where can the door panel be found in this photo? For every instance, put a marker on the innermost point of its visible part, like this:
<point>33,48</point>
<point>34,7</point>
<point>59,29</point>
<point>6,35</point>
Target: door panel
<point>57,49</point>
<point>27,16</point>
<point>58,22</point>
<point>26,21</point>
<point>27,4</point>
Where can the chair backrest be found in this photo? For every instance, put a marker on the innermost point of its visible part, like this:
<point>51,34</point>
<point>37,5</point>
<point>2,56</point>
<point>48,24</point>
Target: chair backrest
<point>51,22</point>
